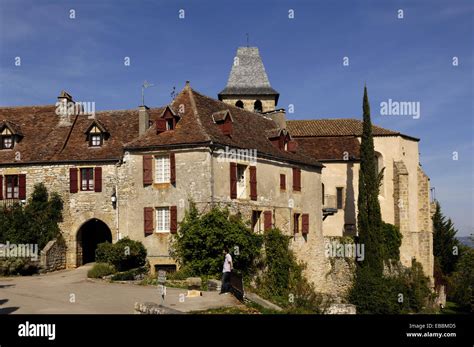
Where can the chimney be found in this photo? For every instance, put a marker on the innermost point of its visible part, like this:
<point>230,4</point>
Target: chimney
<point>278,116</point>
<point>143,119</point>
<point>63,109</point>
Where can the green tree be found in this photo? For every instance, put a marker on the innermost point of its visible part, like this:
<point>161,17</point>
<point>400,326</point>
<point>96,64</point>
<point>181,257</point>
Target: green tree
<point>445,244</point>
<point>461,281</point>
<point>369,218</point>
<point>201,239</point>
<point>37,222</point>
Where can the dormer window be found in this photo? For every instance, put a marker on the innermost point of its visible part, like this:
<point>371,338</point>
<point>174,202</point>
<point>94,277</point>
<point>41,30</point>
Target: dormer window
<point>167,121</point>
<point>96,133</point>
<point>9,135</point>
<point>224,120</point>
<point>282,140</point>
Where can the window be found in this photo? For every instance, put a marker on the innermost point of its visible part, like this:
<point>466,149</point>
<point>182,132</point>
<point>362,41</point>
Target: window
<point>95,140</point>
<point>322,192</point>
<point>162,220</point>
<point>239,104</point>
<point>256,221</point>
<point>6,139</point>
<point>257,106</point>
<point>162,169</point>
<point>12,187</point>
<point>282,181</point>
<point>296,223</point>
<point>339,197</point>
<point>241,181</point>
<point>87,179</point>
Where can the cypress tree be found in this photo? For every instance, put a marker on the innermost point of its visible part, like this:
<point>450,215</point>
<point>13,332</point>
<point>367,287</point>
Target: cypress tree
<point>369,219</point>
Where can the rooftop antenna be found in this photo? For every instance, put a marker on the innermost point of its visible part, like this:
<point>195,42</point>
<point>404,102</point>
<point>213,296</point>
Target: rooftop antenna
<point>144,86</point>
<point>247,39</point>
<point>173,93</point>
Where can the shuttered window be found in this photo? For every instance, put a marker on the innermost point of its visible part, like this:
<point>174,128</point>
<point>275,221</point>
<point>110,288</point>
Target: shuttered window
<point>98,179</point>
<point>162,169</point>
<point>12,187</point>
<point>1,187</point>
<point>173,219</point>
<point>282,181</point>
<point>267,220</point>
<point>297,179</point>
<point>147,170</point>
<point>305,223</point>
<point>162,219</point>
<point>339,197</point>
<point>253,182</point>
<point>233,180</point>
<point>87,179</point>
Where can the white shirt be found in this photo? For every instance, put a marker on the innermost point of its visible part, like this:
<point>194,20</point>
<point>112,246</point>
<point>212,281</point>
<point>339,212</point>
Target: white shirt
<point>227,261</point>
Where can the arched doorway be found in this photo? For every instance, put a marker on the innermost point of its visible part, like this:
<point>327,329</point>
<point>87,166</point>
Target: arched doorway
<point>90,234</point>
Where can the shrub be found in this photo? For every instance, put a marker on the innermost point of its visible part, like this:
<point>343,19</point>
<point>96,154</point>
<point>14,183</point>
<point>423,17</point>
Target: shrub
<point>17,266</point>
<point>126,254</point>
<point>392,240</point>
<point>198,245</point>
<point>406,292</point>
<point>100,270</point>
<point>461,282</point>
<point>130,275</point>
<point>282,280</point>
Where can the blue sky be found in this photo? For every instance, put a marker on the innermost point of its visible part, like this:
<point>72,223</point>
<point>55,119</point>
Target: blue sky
<point>407,59</point>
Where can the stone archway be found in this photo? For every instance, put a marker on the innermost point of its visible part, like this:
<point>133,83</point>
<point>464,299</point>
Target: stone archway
<point>89,235</point>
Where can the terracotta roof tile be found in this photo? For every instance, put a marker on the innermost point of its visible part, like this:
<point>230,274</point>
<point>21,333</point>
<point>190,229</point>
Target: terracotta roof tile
<point>330,148</point>
<point>336,127</point>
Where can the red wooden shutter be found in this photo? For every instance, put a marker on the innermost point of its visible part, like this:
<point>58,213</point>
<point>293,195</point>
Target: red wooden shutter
<point>226,127</point>
<point>73,180</point>
<point>233,180</point>
<point>98,179</point>
<point>173,219</point>
<point>305,223</point>
<point>22,187</point>
<point>172,168</point>
<point>147,170</point>
<point>253,182</point>
<point>1,187</point>
<point>160,125</point>
<point>296,179</point>
<point>282,181</point>
<point>267,220</point>
<point>148,220</point>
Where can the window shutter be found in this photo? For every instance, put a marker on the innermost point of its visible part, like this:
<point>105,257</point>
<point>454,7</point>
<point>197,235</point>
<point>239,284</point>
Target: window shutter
<point>305,223</point>
<point>160,125</point>
<point>253,182</point>
<point>173,219</point>
<point>148,220</point>
<point>98,179</point>
<point>1,187</point>
<point>22,186</point>
<point>282,182</point>
<point>73,180</point>
<point>233,180</point>
<point>267,220</point>
<point>296,179</point>
<point>147,170</point>
<point>172,169</point>
<point>226,127</point>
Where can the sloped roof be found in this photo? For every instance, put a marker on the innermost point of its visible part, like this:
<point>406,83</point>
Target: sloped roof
<point>44,140</point>
<point>249,129</point>
<point>336,127</point>
<point>340,148</point>
<point>248,76</point>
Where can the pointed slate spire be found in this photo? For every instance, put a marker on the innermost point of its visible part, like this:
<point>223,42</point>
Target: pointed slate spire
<point>248,76</point>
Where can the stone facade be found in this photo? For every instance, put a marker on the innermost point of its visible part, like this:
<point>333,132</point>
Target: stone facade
<point>268,102</point>
<point>53,256</point>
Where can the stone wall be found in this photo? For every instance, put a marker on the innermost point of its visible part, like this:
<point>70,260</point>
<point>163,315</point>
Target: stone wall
<point>53,256</point>
<point>268,102</point>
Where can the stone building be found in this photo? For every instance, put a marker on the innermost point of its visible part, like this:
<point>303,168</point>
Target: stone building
<point>133,173</point>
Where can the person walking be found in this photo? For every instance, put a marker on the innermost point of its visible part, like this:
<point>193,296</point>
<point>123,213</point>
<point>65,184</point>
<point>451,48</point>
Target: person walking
<point>226,272</point>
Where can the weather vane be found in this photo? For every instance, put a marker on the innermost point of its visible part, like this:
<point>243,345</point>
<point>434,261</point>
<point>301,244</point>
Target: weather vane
<point>144,86</point>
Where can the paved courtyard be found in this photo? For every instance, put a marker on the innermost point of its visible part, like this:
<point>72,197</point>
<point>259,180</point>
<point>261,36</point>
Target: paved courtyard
<point>70,291</point>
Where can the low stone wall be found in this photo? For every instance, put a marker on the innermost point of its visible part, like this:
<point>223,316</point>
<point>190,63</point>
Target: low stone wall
<point>53,256</point>
<point>341,309</point>
<point>152,308</point>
